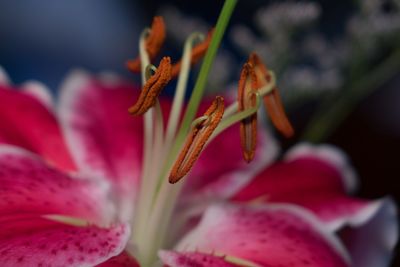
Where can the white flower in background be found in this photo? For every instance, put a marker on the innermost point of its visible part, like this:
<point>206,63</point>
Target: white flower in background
<point>275,18</point>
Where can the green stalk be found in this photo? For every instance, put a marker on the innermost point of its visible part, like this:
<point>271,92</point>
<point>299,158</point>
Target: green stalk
<point>333,111</point>
<point>201,81</point>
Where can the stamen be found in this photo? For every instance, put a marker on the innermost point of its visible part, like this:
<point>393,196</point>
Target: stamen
<point>152,88</point>
<point>68,220</point>
<point>247,99</point>
<point>197,138</point>
<point>272,100</point>
<point>154,42</point>
<point>198,52</point>
<point>273,103</point>
<point>260,70</point>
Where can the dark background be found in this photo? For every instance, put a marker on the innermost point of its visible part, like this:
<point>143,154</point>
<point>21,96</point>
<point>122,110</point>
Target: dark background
<point>43,40</point>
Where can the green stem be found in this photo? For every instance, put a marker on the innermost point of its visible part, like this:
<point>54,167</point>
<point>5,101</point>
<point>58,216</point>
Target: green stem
<point>199,87</point>
<point>201,81</point>
<point>333,111</point>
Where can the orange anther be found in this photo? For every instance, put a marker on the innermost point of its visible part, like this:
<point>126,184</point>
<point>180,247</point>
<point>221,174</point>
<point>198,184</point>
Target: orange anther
<point>263,76</point>
<point>198,52</point>
<point>247,99</point>
<point>272,100</point>
<point>196,140</point>
<point>154,42</point>
<point>273,103</point>
<point>152,88</point>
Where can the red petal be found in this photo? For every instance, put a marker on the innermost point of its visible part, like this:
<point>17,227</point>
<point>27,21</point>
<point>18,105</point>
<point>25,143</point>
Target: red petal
<point>40,92</point>
<point>274,235</point>
<point>27,123</point>
<point>122,260</point>
<point>104,139</point>
<point>192,259</point>
<point>318,180</point>
<point>40,242</point>
<point>29,186</point>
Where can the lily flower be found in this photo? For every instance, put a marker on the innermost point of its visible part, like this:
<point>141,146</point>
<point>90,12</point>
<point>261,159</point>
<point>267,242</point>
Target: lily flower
<point>85,183</point>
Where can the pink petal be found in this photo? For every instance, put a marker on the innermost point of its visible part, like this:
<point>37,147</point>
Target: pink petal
<point>40,242</point>
<point>103,138</point>
<point>121,260</point>
<point>27,185</point>
<point>40,92</point>
<point>192,259</point>
<point>274,235</point>
<point>25,122</point>
<point>318,180</point>
<point>332,156</point>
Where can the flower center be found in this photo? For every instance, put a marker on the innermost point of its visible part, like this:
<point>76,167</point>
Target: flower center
<point>170,152</point>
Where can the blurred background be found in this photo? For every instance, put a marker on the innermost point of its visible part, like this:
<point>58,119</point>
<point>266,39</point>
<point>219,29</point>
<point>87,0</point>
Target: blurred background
<point>337,62</point>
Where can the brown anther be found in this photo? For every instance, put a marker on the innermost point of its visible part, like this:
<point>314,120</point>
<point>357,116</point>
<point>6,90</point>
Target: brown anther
<point>273,103</point>
<point>247,99</point>
<point>272,100</point>
<point>196,140</point>
<point>198,51</point>
<point>154,42</point>
<point>261,71</point>
<point>152,88</point>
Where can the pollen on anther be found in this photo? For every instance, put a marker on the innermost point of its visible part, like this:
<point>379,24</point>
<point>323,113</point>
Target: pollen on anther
<point>272,100</point>
<point>247,99</point>
<point>154,42</point>
<point>152,88</point>
<point>196,140</point>
<point>274,106</point>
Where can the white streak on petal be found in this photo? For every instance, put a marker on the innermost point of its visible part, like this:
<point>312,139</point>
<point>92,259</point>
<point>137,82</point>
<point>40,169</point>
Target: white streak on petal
<point>4,79</point>
<point>39,91</point>
<point>371,244</point>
